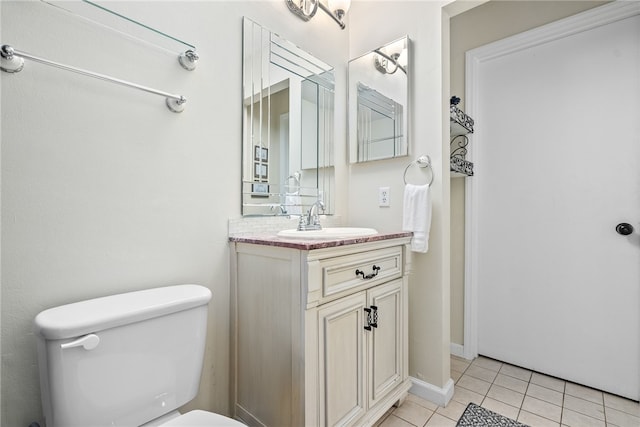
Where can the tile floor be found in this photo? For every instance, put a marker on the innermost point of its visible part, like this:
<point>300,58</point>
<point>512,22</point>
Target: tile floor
<point>529,397</point>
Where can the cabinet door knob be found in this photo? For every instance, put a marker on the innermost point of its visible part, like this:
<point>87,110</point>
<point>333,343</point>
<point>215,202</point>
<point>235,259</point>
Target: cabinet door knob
<point>624,228</point>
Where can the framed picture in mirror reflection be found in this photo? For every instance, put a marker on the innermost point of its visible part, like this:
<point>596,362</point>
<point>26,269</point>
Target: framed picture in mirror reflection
<point>261,154</point>
<point>260,171</point>
<point>260,189</point>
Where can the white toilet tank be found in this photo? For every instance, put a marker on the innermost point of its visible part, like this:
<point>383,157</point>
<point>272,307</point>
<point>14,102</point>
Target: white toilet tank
<point>121,360</point>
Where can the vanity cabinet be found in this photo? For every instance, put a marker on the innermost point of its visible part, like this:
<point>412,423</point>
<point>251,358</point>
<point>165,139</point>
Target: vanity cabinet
<point>319,331</point>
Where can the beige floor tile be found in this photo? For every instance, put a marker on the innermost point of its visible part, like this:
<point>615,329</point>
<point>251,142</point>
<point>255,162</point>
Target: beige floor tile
<point>458,364</point>
<point>622,404</point>
<point>584,407</point>
<point>474,384</point>
<point>511,383</point>
<point>384,417</point>
<point>534,420</point>
<point>542,408</point>
<point>501,408</point>
<point>422,402</point>
<point>453,411</point>
<point>548,382</point>
<point>455,375</point>
<point>481,373</point>
<point>464,396</point>
<point>393,421</point>
<point>621,419</point>
<point>583,392</point>
<point>574,419</point>
<point>413,413</point>
<point>485,362</point>
<point>516,372</point>
<point>505,395</point>
<point>439,421</point>
<point>545,394</point>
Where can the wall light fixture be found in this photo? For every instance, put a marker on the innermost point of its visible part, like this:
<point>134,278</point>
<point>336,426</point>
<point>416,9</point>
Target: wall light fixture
<point>306,9</point>
<point>390,63</point>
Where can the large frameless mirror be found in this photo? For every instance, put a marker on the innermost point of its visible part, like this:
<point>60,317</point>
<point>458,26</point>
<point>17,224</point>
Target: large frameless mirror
<point>378,101</point>
<point>288,126</point>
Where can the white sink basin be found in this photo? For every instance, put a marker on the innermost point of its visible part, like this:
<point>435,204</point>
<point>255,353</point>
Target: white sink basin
<point>328,233</point>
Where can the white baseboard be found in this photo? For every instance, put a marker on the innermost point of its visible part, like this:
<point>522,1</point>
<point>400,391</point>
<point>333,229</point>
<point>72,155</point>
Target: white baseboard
<point>456,349</point>
<point>437,395</point>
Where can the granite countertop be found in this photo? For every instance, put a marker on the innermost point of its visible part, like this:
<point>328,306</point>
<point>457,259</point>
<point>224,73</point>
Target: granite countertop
<point>270,239</point>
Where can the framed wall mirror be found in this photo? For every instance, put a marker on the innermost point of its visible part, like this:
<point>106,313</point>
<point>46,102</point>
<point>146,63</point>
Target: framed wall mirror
<point>288,126</point>
<point>378,101</point>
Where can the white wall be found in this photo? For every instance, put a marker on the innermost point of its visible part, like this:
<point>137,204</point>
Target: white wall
<point>429,283</point>
<point>104,190</point>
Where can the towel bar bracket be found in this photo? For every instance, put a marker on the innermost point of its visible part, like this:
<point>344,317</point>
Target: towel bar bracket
<point>9,62</point>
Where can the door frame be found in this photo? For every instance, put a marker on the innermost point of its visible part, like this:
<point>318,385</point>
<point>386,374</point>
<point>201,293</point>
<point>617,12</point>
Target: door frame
<point>598,16</point>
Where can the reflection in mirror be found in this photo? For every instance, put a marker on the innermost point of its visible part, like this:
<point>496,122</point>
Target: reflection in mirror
<point>288,126</point>
<point>378,97</point>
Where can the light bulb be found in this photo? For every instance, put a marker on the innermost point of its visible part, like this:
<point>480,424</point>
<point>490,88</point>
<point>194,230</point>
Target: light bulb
<point>339,7</point>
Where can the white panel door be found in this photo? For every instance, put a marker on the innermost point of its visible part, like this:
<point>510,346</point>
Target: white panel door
<point>557,154</point>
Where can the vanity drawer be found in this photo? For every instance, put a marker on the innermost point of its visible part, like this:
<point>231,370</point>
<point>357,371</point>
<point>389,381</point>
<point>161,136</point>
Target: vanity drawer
<point>339,275</point>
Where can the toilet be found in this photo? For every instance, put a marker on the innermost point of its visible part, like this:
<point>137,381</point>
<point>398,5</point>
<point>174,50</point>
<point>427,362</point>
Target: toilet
<point>125,360</point>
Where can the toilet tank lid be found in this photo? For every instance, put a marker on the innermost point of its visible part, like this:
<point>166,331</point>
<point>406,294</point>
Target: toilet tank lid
<point>98,314</point>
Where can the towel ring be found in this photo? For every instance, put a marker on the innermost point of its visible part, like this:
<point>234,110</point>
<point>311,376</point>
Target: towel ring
<point>422,162</point>
<point>295,177</point>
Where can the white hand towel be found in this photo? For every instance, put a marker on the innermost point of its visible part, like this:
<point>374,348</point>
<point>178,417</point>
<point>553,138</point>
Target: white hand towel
<point>416,215</point>
<point>293,203</point>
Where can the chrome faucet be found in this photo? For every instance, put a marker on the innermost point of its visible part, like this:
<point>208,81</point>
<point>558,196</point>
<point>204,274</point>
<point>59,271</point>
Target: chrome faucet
<point>278,207</point>
<point>311,221</point>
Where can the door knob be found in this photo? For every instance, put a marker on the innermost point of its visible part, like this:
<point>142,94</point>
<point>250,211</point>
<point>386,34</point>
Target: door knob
<point>624,228</point>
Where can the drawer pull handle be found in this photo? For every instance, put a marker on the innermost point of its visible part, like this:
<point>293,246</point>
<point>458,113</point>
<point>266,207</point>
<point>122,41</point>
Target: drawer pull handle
<point>375,269</point>
<point>372,317</point>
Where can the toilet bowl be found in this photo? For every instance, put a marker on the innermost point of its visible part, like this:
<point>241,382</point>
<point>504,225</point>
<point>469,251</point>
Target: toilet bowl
<point>196,418</point>
<point>125,360</point>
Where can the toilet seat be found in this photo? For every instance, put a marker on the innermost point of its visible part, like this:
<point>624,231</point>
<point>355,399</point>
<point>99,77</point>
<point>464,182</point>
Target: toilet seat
<point>200,418</point>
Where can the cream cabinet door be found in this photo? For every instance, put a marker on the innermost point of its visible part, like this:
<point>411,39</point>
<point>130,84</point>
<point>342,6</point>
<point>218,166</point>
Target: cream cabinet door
<point>341,355</point>
<point>360,352</point>
<point>385,341</point>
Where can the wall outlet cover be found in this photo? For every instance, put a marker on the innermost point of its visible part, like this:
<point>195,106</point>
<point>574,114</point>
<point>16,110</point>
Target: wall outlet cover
<point>384,198</point>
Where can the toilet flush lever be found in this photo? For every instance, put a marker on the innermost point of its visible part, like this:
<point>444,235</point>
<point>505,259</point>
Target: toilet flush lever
<point>89,342</point>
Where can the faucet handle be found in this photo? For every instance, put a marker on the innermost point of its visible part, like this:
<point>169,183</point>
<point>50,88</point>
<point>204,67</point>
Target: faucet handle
<point>302,224</point>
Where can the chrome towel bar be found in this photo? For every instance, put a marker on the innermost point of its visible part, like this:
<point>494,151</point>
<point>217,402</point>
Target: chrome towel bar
<point>12,61</point>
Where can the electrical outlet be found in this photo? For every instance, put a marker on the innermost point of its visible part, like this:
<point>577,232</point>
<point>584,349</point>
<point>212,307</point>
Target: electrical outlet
<point>384,197</point>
